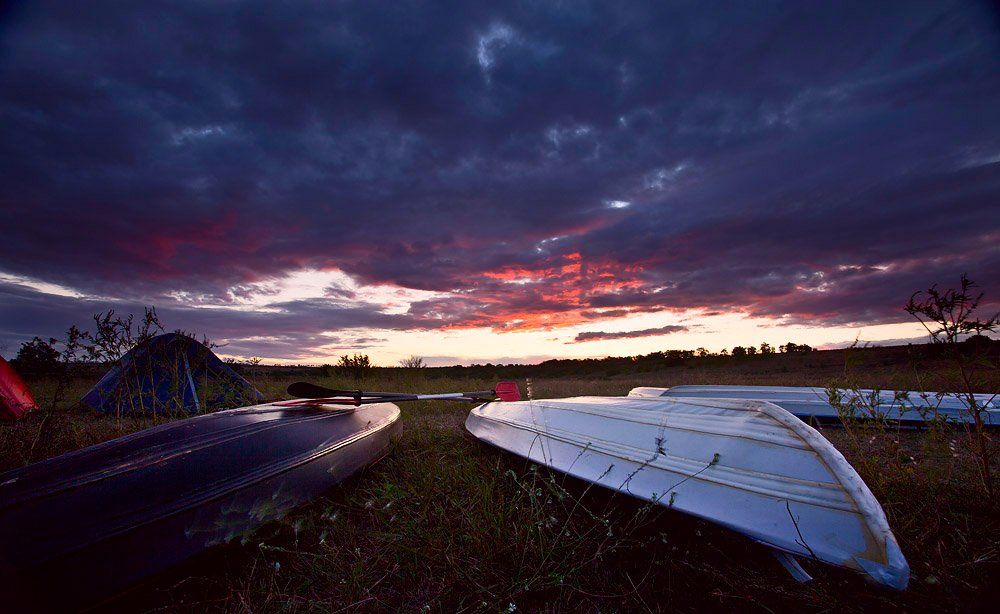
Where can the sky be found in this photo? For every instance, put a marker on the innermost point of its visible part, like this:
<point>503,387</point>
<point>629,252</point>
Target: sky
<point>505,182</point>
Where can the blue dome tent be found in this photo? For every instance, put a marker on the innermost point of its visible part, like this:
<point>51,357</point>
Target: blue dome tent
<point>168,374</point>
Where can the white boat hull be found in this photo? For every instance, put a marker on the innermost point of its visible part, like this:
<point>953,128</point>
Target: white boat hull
<point>747,465</point>
<point>914,409</point>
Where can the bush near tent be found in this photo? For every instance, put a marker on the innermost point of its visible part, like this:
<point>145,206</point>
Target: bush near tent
<point>170,373</point>
<point>15,397</point>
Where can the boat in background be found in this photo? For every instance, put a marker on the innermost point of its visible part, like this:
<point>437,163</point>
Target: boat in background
<point>15,396</point>
<point>80,527</point>
<point>813,404</point>
<point>747,465</point>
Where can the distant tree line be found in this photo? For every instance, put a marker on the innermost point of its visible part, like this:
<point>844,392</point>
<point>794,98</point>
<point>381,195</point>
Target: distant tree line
<point>614,365</point>
<point>766,348</point>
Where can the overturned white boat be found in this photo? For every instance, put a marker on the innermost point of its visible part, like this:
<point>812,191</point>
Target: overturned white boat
<point>747,465</point>
<point>813,404</point>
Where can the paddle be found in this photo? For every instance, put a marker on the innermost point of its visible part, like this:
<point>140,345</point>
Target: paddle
<point>320,395</point>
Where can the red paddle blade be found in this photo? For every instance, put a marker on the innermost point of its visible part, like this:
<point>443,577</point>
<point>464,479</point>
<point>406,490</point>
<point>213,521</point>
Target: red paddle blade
<point>507,391</point>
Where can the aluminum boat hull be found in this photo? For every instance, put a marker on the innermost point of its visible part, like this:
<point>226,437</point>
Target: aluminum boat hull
<point>80,527</point>
<point>812,404</point>
<point>747,465</point>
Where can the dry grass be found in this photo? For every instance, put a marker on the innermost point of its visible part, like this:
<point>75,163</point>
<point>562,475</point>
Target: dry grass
<point>446,523</point>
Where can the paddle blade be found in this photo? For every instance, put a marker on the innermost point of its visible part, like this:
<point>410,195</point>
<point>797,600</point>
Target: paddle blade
<point>507,391</point>
<point>311,391</point>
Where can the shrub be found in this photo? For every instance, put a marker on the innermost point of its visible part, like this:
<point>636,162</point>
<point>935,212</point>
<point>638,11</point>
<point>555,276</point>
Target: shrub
<point>948,316</point>
<point>356,366</point>
<point>413,362</point>
<point>37,356</point>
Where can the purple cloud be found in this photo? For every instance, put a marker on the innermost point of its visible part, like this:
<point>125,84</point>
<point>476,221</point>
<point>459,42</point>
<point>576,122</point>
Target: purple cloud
<point>630,334</point>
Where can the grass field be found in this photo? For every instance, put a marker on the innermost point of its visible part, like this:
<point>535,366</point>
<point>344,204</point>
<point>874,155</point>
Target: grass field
<point>445,523</point>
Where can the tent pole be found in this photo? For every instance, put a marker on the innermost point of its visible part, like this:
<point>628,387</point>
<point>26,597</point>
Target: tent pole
<point>190,379</point>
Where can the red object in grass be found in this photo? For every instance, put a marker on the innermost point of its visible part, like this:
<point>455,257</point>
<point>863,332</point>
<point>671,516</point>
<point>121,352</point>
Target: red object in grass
<point>15,398</point>
<point>507,391</point>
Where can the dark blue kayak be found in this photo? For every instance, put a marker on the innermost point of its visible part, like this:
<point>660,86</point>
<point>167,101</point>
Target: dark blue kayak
<point>82,526</point>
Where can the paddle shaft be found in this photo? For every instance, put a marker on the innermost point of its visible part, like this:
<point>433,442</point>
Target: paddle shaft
<point>367,399</point>
<point>315,395</point>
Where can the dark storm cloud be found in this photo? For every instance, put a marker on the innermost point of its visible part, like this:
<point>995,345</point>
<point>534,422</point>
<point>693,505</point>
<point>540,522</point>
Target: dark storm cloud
<point>629,334</point>
<point>816,163</point>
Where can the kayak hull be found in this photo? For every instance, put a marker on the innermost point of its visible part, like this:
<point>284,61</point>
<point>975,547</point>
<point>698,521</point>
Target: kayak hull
<point>93,522</point>
<point>748,466</point>
<point>15,396</point>
<point>812,404</point>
